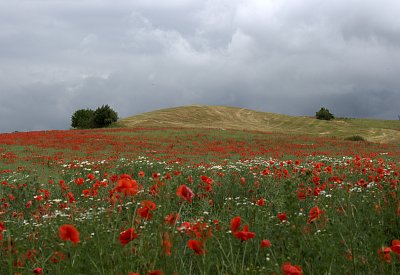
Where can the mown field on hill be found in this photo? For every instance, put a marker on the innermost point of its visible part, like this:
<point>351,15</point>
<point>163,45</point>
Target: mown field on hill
<point>179,200</point>
<point>222,117</point>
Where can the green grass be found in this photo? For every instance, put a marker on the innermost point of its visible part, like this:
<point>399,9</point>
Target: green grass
<point>350,224</point>
<point>355,184</point>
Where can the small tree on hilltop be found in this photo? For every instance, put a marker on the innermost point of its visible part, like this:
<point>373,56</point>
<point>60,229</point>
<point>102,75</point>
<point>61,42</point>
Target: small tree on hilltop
<point>324,114</point>
<point>82,119</point>
<point>104,116</point>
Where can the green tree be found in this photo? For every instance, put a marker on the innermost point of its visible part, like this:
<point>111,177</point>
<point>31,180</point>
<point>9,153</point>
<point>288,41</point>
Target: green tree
<point>324,114</point>
<point>82,119</point>
<point>104,116</point>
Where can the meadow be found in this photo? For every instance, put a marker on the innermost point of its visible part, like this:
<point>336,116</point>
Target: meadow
<point>197,201</point>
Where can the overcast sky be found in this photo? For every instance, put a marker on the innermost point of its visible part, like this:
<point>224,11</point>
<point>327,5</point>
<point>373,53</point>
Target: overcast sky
<point>283,56</point>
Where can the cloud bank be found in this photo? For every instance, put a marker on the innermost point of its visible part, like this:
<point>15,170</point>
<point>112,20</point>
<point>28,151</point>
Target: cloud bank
<point>280,56</point>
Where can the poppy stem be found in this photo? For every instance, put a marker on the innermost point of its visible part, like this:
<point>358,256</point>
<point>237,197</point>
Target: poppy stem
<point>244,255</point>
<point>204,264</point>
<point>179,214</point>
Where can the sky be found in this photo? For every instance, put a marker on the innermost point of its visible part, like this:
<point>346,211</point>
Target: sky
<point>282,56</point>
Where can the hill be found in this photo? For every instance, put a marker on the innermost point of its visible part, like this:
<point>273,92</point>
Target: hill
<point>221,117</point>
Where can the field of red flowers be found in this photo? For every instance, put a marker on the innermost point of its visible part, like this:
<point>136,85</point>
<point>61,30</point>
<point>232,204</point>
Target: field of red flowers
<point>191,201</point>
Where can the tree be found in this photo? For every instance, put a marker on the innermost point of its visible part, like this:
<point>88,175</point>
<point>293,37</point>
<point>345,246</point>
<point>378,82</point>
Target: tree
<point>324,114</point>
<point>82,119</point>
<point>87,118</point>
<point>104,116</point>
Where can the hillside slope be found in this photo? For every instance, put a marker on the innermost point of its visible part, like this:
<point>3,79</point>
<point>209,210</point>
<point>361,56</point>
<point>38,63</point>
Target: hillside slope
<point>199,116</point>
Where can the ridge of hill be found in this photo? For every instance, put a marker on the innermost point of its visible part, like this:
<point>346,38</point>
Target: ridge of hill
<point>223,117</point>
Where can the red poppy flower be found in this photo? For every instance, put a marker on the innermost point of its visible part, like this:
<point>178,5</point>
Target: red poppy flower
<point>265,243</point>
<point>282,216</point>
<point>126,185</point>
<point>38,197</point>
<point>396,246</point>
<point>171,218</point>
<point>86,192</point>
<point>145,210</point>
<point>149,204</point>
<point>90,176</point>
<point>266,172</point>
<point>261,202</point>
<point>145,213</point>
<point>301,195</point>
<point>79,181</point>
<point>38,270</point>
<point>185,193</point>
<point>289,269</point>
<point>57,257</point>
<point>235,223</point>
<point>127,236</point>
<point>201,230</point>
<point>197,246</point>
<point>206,179</point>
<point>166,244</point>
<point>31,254</point>
<point>68,232</point>
<point>315,213</point>
<point>384,254</point>
<point>244,234</point>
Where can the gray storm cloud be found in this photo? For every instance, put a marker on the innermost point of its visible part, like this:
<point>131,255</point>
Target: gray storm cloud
<point>281,56</point>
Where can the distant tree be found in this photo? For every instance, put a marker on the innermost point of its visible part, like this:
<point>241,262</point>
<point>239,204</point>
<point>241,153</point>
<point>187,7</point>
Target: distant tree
<point>82,119</point>
<point>324,114</point>
<point>104,116</point>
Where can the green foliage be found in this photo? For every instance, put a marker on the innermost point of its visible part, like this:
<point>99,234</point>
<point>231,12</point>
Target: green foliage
<point>324,114</point>
<point>86,118</point>
<point>82,119</point>
<point>353,226</point>
<point>104,116</point>
<point>355,138</point>
<point>49,186</point>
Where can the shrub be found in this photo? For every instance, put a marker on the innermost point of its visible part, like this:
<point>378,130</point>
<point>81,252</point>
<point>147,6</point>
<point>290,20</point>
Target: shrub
<point>355,138</point>
<point>82,119</point>
<point>104,116</point>
<point>324,114</point>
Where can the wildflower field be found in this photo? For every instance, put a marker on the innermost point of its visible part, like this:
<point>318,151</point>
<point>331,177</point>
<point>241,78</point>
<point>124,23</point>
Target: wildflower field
<point>197,201</point>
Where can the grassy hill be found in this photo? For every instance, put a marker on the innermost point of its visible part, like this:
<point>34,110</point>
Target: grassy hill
<point>199,116</point>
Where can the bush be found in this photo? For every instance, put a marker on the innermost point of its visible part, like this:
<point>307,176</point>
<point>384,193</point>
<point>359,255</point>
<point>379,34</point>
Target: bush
<point>82,119</point>
<point>87,118</point>
<point>355,138</point>
<point>104,116</point>
<point>324,114</point>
